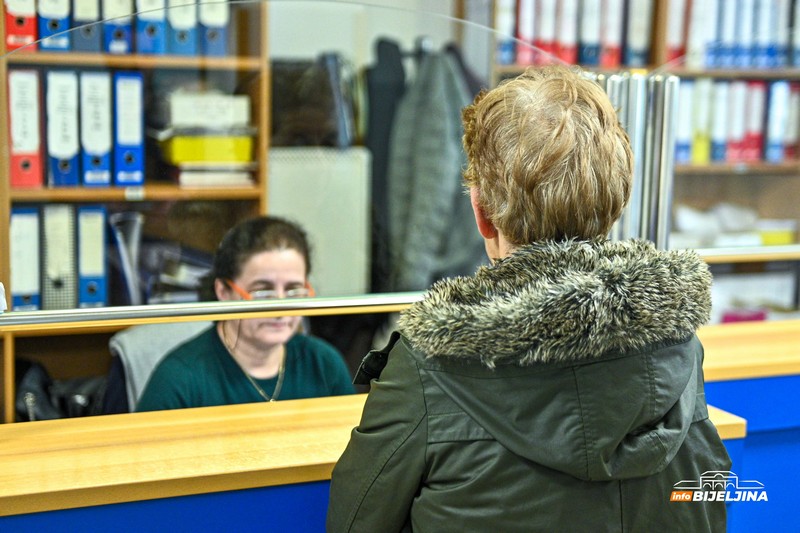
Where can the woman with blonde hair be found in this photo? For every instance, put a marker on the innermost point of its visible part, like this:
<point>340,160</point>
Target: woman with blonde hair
<point>560,388</point>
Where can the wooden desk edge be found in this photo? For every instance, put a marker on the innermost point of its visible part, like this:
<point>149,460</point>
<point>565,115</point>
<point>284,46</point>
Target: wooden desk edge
<point>728,425</point>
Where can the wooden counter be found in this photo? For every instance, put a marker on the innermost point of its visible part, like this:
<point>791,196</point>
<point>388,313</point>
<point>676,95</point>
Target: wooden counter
<point>60,464</point>
<point>63,464</point>
<point>751,350</point>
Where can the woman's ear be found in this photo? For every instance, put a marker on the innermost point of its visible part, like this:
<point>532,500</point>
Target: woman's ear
<point>485,226</point>
<point>221,290</point>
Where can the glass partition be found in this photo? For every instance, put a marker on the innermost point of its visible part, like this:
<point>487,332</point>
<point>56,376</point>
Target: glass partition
<point>136,140</point>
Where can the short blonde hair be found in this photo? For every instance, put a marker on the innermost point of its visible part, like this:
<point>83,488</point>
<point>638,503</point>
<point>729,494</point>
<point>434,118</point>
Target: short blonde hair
<point>548,156</point>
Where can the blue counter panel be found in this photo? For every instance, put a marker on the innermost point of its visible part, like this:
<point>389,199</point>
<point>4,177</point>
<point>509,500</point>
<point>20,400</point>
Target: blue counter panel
<point>771,452</point>
<point>766,403</point>
<point>295,508</point>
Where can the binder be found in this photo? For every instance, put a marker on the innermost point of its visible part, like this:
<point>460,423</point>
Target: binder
<point>795,38</point>
<point>59,279</point>
<point>754,120</point>
<point>611,33</point>
<point>764,43</point>
<point>545,32</point>
<point>24,128</point>
<point>24,231</point>
<point>128,128</point>
<point>701,112</point>
<point>526,26</point>
<point>745,17</point>
<point>86,28</point>
<point>737,112</point>
<point>777,121</point>
<point>21,25</point>
<point>54,24</point>
<point>63,145</point>
<point>117,30</point>
<point>637,33</point>
<point>92,266</point>
<point>792,136</point>
<point>96,133</point>
<point>676,29</point>
<point>504,24</point>
<point>214,18</point>
<point>182,27</point>
<point>783,16</point>
<point>701,36</point>
<point>719,121</point>
<point>726,51</point>
<point>589,33</point>
<point>685,126</point>
<point>151,27</point>
<point>567,31</point>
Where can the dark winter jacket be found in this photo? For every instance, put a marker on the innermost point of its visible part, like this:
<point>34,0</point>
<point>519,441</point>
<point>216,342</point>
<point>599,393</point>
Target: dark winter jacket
<point>559,390</point>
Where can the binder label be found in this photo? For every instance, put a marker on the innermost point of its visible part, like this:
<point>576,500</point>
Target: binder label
<point>151,10</point>
<point>120,10</point>
<point>90,252</point>
<point>89,11</point>
<point>96,113</point>
<point>21,8</point>
<point>182,16</point>
<point>129,111</point>
<point>214,15</point>
<point>62,114</point>
<point>23,106</point>
<point>54,9</point>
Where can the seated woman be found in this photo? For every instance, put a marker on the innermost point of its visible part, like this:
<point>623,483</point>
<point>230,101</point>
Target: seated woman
<point>254,359</point>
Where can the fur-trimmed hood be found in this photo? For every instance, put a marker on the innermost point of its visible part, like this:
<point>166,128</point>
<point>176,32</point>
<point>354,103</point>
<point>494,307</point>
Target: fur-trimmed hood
<point>579,356</point>
<point>563,301</point>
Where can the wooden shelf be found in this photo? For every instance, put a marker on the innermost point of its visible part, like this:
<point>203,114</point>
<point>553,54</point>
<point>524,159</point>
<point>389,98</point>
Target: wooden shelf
<point>135,61</point>
<point>787,168</point>
<point>739,74</point>
<point>761,254</point>
<point>162,192</point>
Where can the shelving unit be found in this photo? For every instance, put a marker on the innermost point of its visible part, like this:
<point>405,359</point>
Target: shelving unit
<point>85,351</point>
<point>772,189</point>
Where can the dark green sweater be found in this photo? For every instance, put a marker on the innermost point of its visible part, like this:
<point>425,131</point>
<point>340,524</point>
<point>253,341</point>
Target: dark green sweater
<point>201,373</point>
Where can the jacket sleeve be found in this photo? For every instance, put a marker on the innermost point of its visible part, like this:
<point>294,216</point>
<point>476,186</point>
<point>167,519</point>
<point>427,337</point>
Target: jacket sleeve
<point>380,472</point>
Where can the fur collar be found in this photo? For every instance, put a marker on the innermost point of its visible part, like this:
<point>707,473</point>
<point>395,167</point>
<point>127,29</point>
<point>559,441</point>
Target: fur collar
<point>563,301</point>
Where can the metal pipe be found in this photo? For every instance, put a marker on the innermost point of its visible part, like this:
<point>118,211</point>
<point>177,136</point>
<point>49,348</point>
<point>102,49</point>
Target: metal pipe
<point>389,302</point>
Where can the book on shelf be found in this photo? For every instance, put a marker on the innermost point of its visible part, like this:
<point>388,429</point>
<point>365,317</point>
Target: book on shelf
<point>215,174</point>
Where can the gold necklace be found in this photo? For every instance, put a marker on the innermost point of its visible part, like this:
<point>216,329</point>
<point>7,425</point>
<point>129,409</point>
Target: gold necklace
<point>259,390</point>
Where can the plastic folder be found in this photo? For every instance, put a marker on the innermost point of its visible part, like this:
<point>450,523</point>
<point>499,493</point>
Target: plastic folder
<point>63,147</point>
<point>117,30</point>
<point>151,27</point>
<point>54,24</point>
<point>96,132</point>
<point>21,25</point>
<point>87,32</point>
<point>59,280</point>
<point>128,128</point>
<point>214,18</point>
<point>211,148</point>
<point>92,267</point>
<point>24,124</point>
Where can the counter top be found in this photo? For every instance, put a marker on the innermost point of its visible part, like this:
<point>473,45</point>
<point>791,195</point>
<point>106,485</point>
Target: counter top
<point>61,464</point>
<point>751,350</point>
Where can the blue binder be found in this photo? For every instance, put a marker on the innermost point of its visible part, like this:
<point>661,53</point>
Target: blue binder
<point>151,27</point>
<point>86,28</point>
<point>128,128</point>
<point>117,26</point>
<point>92,266</point>
<point>214,21</point>
<point>182,27</point>
<point>54,24</point>
<point>97,138</point>
<point>24,237</point>
<point>63,144</point>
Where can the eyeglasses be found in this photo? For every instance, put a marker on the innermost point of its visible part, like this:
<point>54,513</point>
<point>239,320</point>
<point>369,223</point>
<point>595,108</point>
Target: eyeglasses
<point>271,294</point>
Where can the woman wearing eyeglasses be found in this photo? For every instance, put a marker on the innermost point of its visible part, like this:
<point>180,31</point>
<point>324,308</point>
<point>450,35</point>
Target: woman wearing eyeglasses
<point>254,359</point>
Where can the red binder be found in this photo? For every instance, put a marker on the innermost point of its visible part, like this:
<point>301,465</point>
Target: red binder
<point>21,25</point>
<point>25,129</point>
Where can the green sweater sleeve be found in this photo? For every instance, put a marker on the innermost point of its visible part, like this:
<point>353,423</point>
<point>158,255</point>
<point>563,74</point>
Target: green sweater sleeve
<point>377,477</point>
